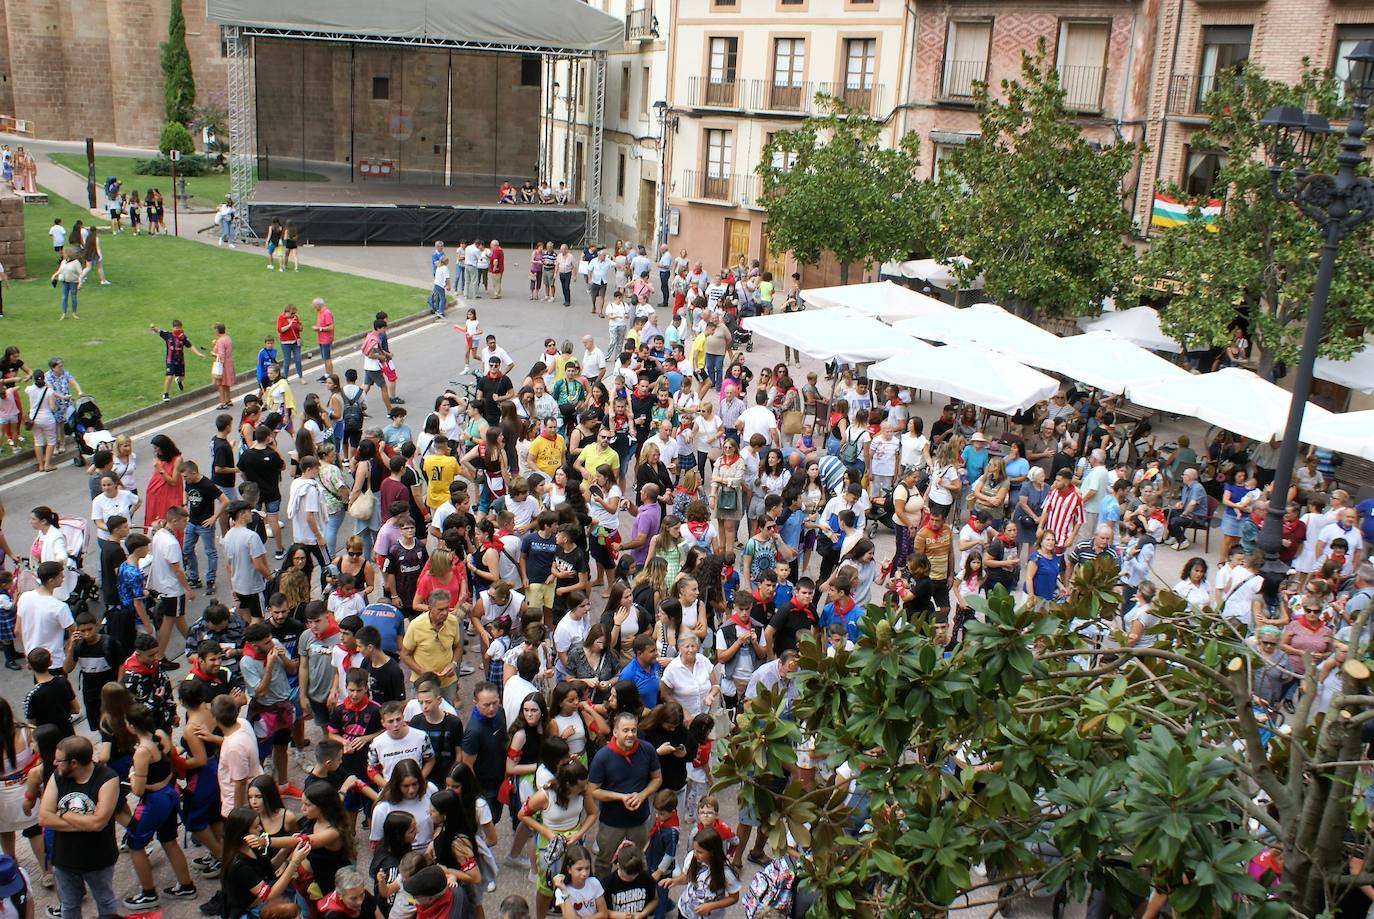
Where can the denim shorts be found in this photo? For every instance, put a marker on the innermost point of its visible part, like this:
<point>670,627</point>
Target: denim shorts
<point>272,507</point>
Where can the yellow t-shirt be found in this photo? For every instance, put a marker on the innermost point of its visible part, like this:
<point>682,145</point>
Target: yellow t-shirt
<point>560,364</point>
<point>431,648</point>
<point>594,457</point>
<point>439,470</point>
<point>697,355</point>
<point>547,455</point>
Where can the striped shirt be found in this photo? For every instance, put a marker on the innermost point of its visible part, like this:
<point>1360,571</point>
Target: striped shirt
<point>1063,513</point>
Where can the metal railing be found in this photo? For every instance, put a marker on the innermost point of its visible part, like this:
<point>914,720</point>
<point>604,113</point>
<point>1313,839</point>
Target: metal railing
<point>705,92</point>
<point>702,185</point>
<point>640,24</point>
<point>771,97</point>
<point>1083,87</point>
<point>1187,92</point>
<point>957,79</point>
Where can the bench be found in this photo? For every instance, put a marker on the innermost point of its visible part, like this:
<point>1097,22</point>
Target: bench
<point>1192,526</point>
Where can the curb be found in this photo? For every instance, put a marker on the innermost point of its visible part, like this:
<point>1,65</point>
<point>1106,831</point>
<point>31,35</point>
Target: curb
<point>195,398</point>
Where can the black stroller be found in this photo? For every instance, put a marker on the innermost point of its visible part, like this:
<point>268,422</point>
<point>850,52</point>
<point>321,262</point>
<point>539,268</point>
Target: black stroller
<point>87,428</point>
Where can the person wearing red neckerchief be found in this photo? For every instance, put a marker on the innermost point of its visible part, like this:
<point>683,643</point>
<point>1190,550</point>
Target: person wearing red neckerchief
<point>623,778</point>
<point>789,623</point>
<point>354,722</point>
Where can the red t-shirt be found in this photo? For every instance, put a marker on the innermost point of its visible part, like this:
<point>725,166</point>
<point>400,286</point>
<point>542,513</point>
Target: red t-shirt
<point>288,329</point>
<point>325,318</point>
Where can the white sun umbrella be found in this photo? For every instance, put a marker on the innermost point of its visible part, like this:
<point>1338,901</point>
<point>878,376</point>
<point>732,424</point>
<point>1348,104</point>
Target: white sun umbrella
<point>929,269</point>
<point>1138,325</point>
<point>988,325</point>
<point>1357,373</point>
<point>826,335</point>
<point>986,379</point>
<point>1107,362</point>
<point>1352,433</point>
<point>1231,398</point>
<point>883,299</point>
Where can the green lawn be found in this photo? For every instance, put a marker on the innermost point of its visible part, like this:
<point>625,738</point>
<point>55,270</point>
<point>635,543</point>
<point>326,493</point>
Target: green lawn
<point>110,350</point>
<point>206,191</point>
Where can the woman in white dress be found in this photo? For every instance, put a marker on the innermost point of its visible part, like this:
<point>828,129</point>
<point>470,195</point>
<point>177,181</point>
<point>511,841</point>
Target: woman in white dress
<point>16,755</point>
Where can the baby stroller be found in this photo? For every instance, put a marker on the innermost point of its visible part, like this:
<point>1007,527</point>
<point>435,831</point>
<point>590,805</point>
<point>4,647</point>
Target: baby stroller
<point>740,337</point>
<point>87,428</point>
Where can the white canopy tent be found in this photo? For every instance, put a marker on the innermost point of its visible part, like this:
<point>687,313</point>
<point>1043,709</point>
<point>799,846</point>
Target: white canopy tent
<point>1231,398</point>
<point>967,373</point>
<point>1352,433</point>
<point>1138,325</point>
<point>929,269</point>
<point>826,335</point>
<point>1107,362</point>
<point>1357,373</point>
<point>985,324</point>
<point>883,299</point>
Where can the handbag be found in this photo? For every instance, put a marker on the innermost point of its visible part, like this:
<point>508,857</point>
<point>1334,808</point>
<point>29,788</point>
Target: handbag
<point>388,371</point>
<point>37,407</point>
<point>727,499</point>
<point>792,423</point>
<point>217,369</point>
<point>362,506</point>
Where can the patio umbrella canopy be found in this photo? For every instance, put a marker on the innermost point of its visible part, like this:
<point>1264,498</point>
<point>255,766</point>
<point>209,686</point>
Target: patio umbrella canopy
<point>826,335</point>
<point>929,269</point>
<point>1106,362</point>
<point>1352,433</point>
<point>967,372</point>
<point>883,299</point>
<point>988,325</point>
<point>1357,373</point>
<point>1231,398</point>
<point>1138,325</point>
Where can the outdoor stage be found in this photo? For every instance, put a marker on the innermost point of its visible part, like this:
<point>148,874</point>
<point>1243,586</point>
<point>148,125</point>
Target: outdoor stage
<point>388,212</point>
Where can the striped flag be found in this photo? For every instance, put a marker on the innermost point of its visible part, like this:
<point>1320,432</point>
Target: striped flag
<point>1171,212</point>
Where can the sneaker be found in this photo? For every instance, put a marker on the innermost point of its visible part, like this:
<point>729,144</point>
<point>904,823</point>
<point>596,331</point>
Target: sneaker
<point>466,670</point>
<point>166,398</point>
<point>104,283</point>
<point>290,791</point>
<point>194,582</point>
<point>281,554</point>
<point>1183,544</point>
<point>517,861</point>
<point>48,880</point>
<point>213,906</point>
<point>209,588</point>
<point>757,858</point>
<point>55,912</point>
<point>141,899</point>
<point>181,891</point>
<point>322,379</point>
<point>205,861</point>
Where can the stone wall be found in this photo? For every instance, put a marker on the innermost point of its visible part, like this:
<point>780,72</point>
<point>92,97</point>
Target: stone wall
<point>12,234</point>
<point>89,68</point>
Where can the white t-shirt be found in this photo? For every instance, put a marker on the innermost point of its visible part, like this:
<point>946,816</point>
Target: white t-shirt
<point>1144,615</point>
<point>305,502</point>
<point>593,362</point>
<point>707,432</point>
<point>616,314</point>
<point>470,255</point>
<point>386,751</point>
<point>416,807</point>
<point>667,451</point>
<point>583,899</point>
<point>498,351</point>
<point>1238,595</point>
<point>164,553</point>
<point>44,620</point>
<point>441,276</point>
<point>491,610</point>
<point>58,234</point>
<point>513,695</point>
<point>104,507</point>
<point>413,708</point>
<point>1352,536</point>
<point>570,632</point>
<point>600,515</point>
<point>883,451</point>
<point>689,686</point>
<point>757,420</point>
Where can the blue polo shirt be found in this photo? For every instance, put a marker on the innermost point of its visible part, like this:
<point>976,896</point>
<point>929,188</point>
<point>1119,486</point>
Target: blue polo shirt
<point>646,681</point>
<point>850,617</point>
<point>611,771</point>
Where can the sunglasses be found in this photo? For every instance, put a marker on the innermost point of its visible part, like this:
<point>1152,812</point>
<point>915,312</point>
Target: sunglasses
<point>359,554</point>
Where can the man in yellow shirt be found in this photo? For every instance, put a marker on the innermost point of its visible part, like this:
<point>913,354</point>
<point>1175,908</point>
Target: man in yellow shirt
<point>548,449</point>
<point>440,469</point>
<point>596,455</point>
<point>697,355</point>
<point>432,644</point>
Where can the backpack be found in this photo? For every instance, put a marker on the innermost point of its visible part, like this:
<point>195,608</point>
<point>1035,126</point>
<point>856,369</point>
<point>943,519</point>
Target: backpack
<point>353,412</point>
<point>849,450</point>
<point>371,342</point>
<point>771,891</point>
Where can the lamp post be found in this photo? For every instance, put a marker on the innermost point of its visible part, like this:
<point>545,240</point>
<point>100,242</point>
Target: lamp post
<point>661,192</point>
<point>1338,203</point>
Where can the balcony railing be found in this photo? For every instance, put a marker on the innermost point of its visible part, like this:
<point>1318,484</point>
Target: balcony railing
<point>1187,92</point>
<point>705,186</point>
<point>706,92</point>
<point>1082,87</point>
<point>640,24</point>
<point>769,96</point>
<point>957,79</point>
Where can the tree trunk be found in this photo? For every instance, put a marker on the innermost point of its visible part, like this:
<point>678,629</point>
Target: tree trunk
<point>844,272</point>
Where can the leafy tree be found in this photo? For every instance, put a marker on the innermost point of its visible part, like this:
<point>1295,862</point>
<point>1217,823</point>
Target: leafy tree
<point>178,82</point>
<point>175,137</point>
<point>1057,764</point>
<point>1260,255</point>
<point>1035,207</point>
<point>831,185</point>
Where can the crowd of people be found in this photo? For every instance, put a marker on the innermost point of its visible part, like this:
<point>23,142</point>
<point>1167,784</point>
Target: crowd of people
<point>538,601</point>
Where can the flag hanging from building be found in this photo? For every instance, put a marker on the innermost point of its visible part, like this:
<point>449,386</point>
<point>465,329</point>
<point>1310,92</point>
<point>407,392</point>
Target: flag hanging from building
<point>1170,212</point>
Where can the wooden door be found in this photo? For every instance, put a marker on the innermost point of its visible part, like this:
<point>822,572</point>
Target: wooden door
<point>776,262</point>
<point>647,220</point>
<point>736,242</point>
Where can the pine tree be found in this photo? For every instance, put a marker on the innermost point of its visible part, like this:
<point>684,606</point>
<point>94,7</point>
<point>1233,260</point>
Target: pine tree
<point>178,82</point>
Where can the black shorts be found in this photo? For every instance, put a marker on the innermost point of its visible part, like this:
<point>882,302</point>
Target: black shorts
<point>171,608</point>
<point>251,604</point>
<point>939,592</point>
<point>353,438</point>
<point>176,370</point>
<point>374,378</point>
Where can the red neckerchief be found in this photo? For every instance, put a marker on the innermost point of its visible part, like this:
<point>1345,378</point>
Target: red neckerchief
<point>202,675</point>
<point>873,429</point>
<point>726,572</point>
<point>745,623</point>
<point>493,544</point>
<point>546,436</point>
<point>758,599</point>
<point>627,754</point>
<point>332,902</point>
<point>698,528</point>
<point>438,908</point>
<point>348,704</point>
<point>494,374</point>
<point>669,824</point>
<point>1311,628</point>
<point>732,462</point>
<point>841,610</point>
<point>810,613</point>
<point>348,658</point>
<point>249,651</point>
<point>134,665</point>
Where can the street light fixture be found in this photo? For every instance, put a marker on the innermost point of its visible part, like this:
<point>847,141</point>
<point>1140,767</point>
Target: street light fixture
<point>1294,141</point>
<point>661,190</point>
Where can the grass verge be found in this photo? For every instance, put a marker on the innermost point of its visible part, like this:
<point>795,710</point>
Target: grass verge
<point>205,191</point>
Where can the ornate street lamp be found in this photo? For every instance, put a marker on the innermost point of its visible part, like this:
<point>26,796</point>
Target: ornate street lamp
<point>1339,203</point>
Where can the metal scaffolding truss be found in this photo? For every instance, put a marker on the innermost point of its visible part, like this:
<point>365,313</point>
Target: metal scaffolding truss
<point>242,142</point>
<point>598,139</point>
<point>419,41</point>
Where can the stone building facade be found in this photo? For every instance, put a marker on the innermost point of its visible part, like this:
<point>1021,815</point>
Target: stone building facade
<point>89,68</point>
